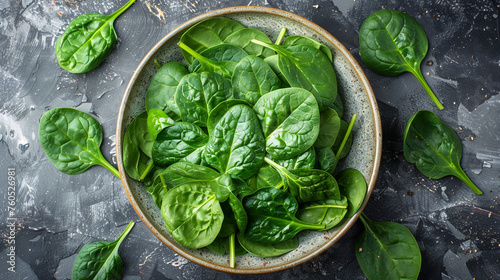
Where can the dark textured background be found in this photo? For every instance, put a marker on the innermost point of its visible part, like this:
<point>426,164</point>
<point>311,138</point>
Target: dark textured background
<point>458,232</point>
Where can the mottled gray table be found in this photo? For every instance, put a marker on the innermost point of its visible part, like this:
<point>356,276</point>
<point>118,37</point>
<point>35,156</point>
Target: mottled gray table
<point>55,214</point>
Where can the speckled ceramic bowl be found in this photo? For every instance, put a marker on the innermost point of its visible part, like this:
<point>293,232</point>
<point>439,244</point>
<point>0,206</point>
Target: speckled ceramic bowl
<point>353,87</point>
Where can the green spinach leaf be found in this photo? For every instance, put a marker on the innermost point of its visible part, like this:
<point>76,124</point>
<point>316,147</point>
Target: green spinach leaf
<point>352,184</point>
<point>329,128</point>
<point>100,260</point>
<point>136,162</point>
<point>266,177</point>
<point>87,41</point>
<point>222,52</point>
<point>302,40</point>
<point>71,139</point>
<point>220,110</point>
<point>434,147</point>
<point>192,215</point>
<point>305,160</point>
<point>271,216</point>
<point>272,61</point>
<point>325,160</point>
<point>392,42</point>
<point>387,250</point>
<point>289,118</point>
<point>157,120</point>
<point>267,250</point>
<point>328,212</point>
<point>225,68</point>
<point>243,39</point>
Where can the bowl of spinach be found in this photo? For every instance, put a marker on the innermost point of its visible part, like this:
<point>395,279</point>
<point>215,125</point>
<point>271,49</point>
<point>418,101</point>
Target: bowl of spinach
<point>248,140</point>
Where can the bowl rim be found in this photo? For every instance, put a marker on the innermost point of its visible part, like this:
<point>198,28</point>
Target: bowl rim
<point>355,66</point>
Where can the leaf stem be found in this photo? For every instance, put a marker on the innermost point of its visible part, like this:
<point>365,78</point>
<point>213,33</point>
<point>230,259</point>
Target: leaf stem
<point>232,251</point>
<point>122,9</point>
<point>192,52</point>
<point>420,78</point>
<point>148,169</point>
<point>346,136</point>
<point>109,167</point>
<point>280,36</point>
<point>157,63</point>
<point>462,176</point>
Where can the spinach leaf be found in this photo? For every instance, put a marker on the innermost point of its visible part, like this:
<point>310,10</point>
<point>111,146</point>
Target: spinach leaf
<point>267,250</point>
<point>338,106</point>
<point>198,93</point>
<point>392,42</point>
<point>224,68</point>
<point>329,128</point>
<point>241,188</point>
<point>271,216</point>
<point>387,250</point>
<point>253,78</point>
<point>308,68</point>
<point>100,260</point>
<point>177,142</point>
<point>192,215</point>
<point>352,184</point>
<point>71,139</point>
<point>87,41</point>
<point>289,118</point>
<point>266,177</point>
<point>308,185</point>
<point>328,212</point>
<point>221,246</point>
<point>236,145</point>
<point>234,215</point>
<point>136,162</point>
<point>157,120</point>
<point>434,147</point>
<point>325,160</point>
<point>222,52</point>
<point>161,90</point>
<point>304,160</point>
<point>158,188</point>
<point>301,40</point>
<point>208,33</point>
<point>243,39</point>
<point>220,110</point>
<point>272,61</point>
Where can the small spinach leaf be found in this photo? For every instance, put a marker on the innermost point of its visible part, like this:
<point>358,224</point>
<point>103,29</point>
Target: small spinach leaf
<point>329,128</point>
<point>352,184</point>
<point>87,41</point>
<point>289,118</point>
<point>243,39</point>
<point>157,120</point>
<point>71,139</point>
<point>302,40</point>
<point>325,160</point>
<point>328,212</point>
<point>387,250</point>
<point>272,61</point>
<point>392,42</point>
<point>305,160</point>
<point>271,216</point>
<point>267,250</point>
<point>100,260</point>
<point>434,147</point>
<point>192,215</point>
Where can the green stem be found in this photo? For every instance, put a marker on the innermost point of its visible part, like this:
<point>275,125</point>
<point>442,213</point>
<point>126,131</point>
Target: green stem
<point>148,169</point>
<point>157,63</point>
<point>346,136</point>
<point>462,176</point>
<point>122,9</point>
<point>163,181</point>
<point>232,250</point>
<point>193,52</point>
<point>280,36</point>
<point>422,81</point>
<point>110,167</point>
<point>326,206</point>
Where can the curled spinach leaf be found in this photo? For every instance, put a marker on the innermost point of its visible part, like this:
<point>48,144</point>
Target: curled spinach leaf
<point>352,184</point>
<point>198,93</point>
<point>192,215</point>
<point>71,139</point>
<point>100,260</point>
<point>289,118</point>
<point>387,250</point>
<point>271,216</point>
<point>236,145</point>
<point>178,142</point>
<point>267,250</point>
<point>136,142</point>
<point>328,212</point>
<point>253,78</point>
<point>434,147</point>
<point>272,61</point>
<point>87,41</point>
<point>161,90</point>
<point>266,177</point>
<point>392,42</point>
<point>157,120</point>
<point>208,33</point>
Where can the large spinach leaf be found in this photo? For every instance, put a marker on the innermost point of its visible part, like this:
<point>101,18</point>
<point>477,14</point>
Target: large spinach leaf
<point>236,145</point>
<point>352,184</point>
<point>267,250</point>
<point>387,250</point>
<point>71,139</point>
<point>222,52</point>
<point>434,147</point>
<point>392,42</point>
<point>243,39</point>
<point>161,90</point>
<point>289,118</point>
<point>224,68</point>
<point>253,78</point>
<point>271,216</point>
<point>208,33</point>
<point>192,215</point>
<point>178,142</point>
<point>157,120</point>
<point>328,212</point>
<point>266,177</point>
<point>87,41</point>
<point>308,185</point>
<point>100,260</point>
<point>308,68</point>
<point>198,93</point>
<point>305,160</point>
